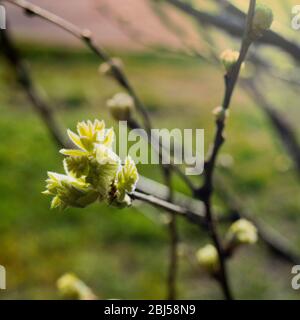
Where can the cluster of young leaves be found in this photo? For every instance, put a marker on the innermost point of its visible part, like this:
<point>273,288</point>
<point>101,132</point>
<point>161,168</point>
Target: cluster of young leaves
<point>93,171</point>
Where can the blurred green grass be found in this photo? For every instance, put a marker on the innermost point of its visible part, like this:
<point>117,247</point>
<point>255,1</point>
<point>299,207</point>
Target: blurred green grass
<point>121,254</point>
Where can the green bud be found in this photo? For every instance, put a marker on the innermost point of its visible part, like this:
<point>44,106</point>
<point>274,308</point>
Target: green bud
<point>242,232</point>
<point>121,106</point>
<point>263,19</point>
<point>208,258</point>
<point>229,58</point>
<point>71,287</point>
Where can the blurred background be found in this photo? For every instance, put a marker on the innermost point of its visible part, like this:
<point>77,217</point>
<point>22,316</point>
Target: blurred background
<point>170,58</point>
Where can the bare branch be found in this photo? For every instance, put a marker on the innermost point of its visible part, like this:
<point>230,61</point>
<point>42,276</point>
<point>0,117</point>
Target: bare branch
<point>205,192</point>
<point>194,217</point>
<point>235,27</point>
<point>283,128</point>
<point>174,238</point>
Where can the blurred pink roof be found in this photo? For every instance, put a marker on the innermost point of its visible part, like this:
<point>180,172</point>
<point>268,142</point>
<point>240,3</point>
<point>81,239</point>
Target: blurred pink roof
<point>103,18</point>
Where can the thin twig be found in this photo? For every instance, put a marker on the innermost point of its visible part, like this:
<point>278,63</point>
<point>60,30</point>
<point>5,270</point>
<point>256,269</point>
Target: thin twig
<point>127,28</point>
<point>230,82</point>
<point>194,217</point>
<point>157,146</point>
<point>172,224</point>
<point>167,173</point>
<point>11,54</point>
<point>205,192</point>
<point>86,37</point>
<point>235,27</point>
<point>279,122</point>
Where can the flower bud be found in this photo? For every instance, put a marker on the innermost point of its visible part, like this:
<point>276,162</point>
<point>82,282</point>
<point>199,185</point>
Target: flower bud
<point>208,258</point>
<point>71,287</point>
<point>106,67</point>
<point>220,113</point>
<point>263,19</point>
<point>225,161</point>
<point>242,232</point>
<point>229,58</point>
<point>121,106</point>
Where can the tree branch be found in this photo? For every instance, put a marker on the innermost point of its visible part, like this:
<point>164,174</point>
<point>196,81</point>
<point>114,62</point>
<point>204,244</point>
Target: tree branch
<point>205,192</point>
<point>236,27</point>
<point>194,217</point>
<point>283,128</point>
<point>12,56</point>
<point>174,238</point>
